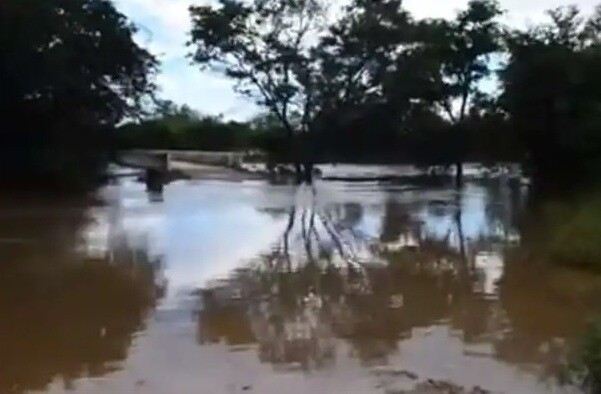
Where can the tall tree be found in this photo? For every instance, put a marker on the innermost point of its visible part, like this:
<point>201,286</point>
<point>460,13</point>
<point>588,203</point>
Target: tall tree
<point>462,48</point>
<point>359,47</point>
<point>355,116</point>
<point>383,66</point>
<point>552,92</point>
<point>67,69</point>
<point>267,47</point>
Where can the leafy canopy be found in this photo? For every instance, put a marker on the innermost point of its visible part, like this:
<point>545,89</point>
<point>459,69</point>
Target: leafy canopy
<point>266,47</point>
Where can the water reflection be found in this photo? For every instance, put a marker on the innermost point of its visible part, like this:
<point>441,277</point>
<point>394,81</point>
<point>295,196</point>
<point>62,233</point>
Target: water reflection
<point>342,288</point>
<point>448,262</point>
<point>66,313</point>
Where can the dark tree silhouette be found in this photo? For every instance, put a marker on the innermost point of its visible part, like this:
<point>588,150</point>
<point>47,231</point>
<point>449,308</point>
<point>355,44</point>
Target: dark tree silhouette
<point>70,70</point>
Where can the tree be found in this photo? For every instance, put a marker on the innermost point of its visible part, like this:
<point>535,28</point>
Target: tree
<point>457,56</point>
<point>552,92</point>
<point>385,71</point>
<point>68,69</point>
<point>179,127</point>
<point>357,50</point>
<point>266,46</point>
<point>355,117</point>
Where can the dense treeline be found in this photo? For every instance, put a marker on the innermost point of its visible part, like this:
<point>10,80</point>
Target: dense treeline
<point>175,127</point>
<point>181,128</point>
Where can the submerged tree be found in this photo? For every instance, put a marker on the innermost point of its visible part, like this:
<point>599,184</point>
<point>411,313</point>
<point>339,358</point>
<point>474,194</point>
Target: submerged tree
<point>357,118</point>
<point>448,64</point>
<point>266,46</point>
<point>400,77</point>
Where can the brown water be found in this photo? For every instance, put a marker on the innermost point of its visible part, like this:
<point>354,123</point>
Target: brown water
<point>219,287</point>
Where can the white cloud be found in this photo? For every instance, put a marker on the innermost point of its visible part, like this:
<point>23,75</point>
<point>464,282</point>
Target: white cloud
<point>164,27</point>
<point>164,24</point>
<point>208,93</point>
<point>520,13</point>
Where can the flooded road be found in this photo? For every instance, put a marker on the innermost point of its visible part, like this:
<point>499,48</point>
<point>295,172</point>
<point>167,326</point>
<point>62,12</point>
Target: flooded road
<point>223,287</point>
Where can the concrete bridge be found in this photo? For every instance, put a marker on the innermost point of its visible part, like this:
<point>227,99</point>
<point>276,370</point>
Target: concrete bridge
<point>162,159</point>
<point>190,164</point>
<point>145,160</point>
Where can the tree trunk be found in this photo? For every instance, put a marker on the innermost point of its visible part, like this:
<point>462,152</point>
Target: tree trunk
<point>304,173</point>
<point>459,174</point>
<point>459,153</point>
<point>308,173</point>
<point>304,160</point>
<point>298,169</point>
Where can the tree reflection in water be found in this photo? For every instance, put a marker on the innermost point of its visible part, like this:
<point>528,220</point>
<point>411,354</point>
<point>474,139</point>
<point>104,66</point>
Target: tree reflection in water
<point>66,315</point>
<point>325,280</point>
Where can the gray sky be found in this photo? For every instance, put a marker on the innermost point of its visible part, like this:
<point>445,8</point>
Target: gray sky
<point>165,24</point>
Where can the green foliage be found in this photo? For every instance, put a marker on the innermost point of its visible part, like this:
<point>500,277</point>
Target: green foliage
<point>388,79</point>
<point>570,232</point>
<point>356,51</point>
<point>371,86</point>
<point>181,128</point>
<point>69,71</point>
<point>552,92</point>
<point>73,51</point>
<point>451,57</point>
<point>266,47</point>
<point>375,84</point>
<point>586,370</point>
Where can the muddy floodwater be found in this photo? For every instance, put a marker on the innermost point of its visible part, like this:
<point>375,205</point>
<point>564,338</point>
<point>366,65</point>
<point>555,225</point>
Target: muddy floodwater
<point>246,287</point>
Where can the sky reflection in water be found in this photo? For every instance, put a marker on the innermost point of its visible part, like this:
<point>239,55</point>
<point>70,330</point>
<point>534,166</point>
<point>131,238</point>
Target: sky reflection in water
<point>441,300</point>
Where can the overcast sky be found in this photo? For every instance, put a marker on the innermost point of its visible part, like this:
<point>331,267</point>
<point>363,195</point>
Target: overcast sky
<point>165,23</point>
